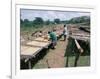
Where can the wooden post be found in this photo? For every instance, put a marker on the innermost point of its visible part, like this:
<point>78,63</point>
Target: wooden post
<point>48,63</point>
<point>29,64</point>
<point>76,59</point>
<point>67,64</point>
<point>78,46</point>
<point>77,54</point>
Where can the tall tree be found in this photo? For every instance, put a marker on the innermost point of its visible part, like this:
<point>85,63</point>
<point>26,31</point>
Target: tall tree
<point>27,23</point>
<point>57,21</point>
<point>47,22</point>
<point>38,21</point>
<point>21,21</point>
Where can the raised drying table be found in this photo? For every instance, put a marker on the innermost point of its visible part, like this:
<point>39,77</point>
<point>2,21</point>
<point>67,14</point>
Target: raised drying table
<point>32,48</point>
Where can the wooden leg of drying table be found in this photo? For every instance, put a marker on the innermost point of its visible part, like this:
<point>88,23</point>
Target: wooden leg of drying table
<point>76,59</point>
<point>29,64</point>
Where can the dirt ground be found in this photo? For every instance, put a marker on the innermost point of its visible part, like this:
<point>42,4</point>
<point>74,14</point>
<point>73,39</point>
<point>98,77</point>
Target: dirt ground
<point>54,58</point>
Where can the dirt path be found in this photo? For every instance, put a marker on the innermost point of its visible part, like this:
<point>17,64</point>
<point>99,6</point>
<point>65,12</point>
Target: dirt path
<point>54,58</point>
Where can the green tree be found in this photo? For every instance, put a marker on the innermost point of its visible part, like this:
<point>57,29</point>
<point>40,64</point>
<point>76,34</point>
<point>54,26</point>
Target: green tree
<point>57,21</point>
<point>27,23</point>
<point>47,22</point>
<point>82,19</point>
<point>21,21</point>
<point>38,21</point>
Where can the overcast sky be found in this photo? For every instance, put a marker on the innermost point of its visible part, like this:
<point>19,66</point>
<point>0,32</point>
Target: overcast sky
<point>50,15</point>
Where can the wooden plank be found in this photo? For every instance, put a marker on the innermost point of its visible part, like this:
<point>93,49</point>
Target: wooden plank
<point>78,46</point>
<point>29,51</point>
<point>33,47</point>
<point>81,35</point>
<point>80,38</point>
<point>41,39</point>
<point>24,48</point>
<point>37,43</point>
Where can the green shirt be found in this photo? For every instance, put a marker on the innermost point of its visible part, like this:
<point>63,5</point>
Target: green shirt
<point>53,36</point>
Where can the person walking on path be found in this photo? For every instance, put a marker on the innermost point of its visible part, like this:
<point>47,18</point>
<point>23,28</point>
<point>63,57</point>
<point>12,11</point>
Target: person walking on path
<point>65,32</point>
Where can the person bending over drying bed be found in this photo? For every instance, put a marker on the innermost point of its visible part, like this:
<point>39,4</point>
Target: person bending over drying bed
<point>53,38</point>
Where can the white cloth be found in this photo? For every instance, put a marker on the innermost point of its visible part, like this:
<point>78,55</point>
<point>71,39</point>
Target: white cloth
<point>65,31</point>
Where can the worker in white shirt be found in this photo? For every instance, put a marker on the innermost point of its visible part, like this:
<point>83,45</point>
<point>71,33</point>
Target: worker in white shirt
<point>65,32</point>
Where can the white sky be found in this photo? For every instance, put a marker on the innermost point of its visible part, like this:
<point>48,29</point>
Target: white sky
<point>50,15</point>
